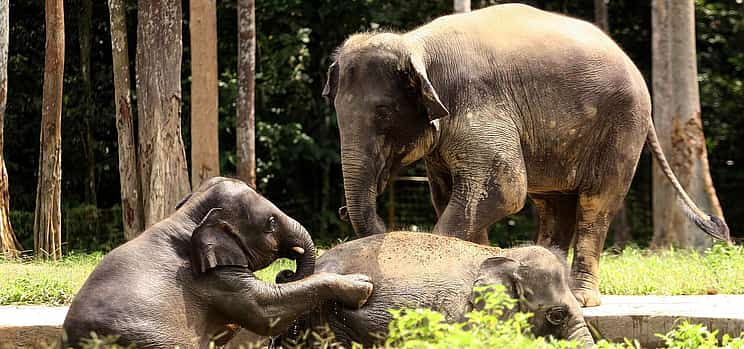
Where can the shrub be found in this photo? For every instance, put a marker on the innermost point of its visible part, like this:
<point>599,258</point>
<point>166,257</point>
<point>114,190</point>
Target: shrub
<point>423,328</point>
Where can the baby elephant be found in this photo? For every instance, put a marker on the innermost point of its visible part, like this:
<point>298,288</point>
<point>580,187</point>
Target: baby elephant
<point>190,277</point>
<point>417,270</point>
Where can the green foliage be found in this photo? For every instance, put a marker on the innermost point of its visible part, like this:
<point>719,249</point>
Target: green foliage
<point>487,328</point>
<point>694,336</point>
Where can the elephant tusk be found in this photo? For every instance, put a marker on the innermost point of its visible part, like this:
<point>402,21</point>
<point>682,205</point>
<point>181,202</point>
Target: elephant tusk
<point>298,249</point>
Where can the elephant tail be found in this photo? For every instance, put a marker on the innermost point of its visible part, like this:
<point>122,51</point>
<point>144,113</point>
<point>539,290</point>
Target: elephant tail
<point>711,225</point>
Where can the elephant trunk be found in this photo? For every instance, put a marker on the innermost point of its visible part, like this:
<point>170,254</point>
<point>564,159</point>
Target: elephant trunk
<point>297,245</point>
<point>361,189</point>
<point>578,331</point>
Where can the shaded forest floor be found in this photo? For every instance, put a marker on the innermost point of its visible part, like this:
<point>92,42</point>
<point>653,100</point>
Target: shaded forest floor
<point>719,270</point>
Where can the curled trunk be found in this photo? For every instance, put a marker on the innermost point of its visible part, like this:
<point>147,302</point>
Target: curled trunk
<point>297,236</point>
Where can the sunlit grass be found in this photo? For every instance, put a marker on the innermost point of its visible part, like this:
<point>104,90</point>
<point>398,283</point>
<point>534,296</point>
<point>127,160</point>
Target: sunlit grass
<point>56,283</point>
<point>719,270</point>
<point>632,272</point>
<point>48,283</point>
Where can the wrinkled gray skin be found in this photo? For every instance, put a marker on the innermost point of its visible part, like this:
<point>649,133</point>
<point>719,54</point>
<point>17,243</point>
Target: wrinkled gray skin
<point>501,103</point>
<point>190,277</point>
<point>418,270</point>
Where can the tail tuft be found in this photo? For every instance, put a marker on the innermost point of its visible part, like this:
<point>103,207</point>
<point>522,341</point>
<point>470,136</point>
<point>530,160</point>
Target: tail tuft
<point>715,227</point>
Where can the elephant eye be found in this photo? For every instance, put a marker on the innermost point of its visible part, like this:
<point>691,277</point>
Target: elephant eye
<point>272,226</point>
<point>556,315</point>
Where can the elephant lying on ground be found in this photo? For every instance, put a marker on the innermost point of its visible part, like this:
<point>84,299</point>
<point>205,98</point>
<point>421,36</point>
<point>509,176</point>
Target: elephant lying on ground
<point>501,103</point>
<point>419,270</point>
<point>190,277</point>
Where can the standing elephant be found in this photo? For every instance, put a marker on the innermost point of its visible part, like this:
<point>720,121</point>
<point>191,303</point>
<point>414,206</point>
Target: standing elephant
<point>189,277</point>
<point>419,270</point>
<point>501,103</point>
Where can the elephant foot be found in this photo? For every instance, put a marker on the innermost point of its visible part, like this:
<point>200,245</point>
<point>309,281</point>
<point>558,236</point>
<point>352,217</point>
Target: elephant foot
<point>587,297</point>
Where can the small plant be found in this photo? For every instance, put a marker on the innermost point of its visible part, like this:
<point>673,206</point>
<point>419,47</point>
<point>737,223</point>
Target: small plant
<point>485,328</point>
<point>694,336</point>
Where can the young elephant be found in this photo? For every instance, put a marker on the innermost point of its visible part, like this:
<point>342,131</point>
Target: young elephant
<point>190,276</point>
<point>416,270</point>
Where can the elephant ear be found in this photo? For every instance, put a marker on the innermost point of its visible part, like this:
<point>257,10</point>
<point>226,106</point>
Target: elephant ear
<point>331,86</point>
<point>498,270</point>
<point>434,107</point>
<point>215,243</point>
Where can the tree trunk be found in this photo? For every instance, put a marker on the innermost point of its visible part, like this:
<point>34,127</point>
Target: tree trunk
<point>9,245</point>
<point>462,6</point>
<point>678,125</point>
<point>245,129</point>
<point>600,15</point>
<point>162,159</point>
<point>47,215</point>
<point>86,12</point>
<point>205,158</point>
<point>129,180</point>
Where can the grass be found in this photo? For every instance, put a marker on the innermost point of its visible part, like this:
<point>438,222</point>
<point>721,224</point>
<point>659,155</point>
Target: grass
<point>632,272</point>
<point>47,283</point>
<point>56,283</point>
<point>719,270</point>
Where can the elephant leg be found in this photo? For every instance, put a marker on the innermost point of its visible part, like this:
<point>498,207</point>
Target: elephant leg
<point>593,220</point>
<point>482,197</point>
<point>556,220</point>
<point>440,185</point>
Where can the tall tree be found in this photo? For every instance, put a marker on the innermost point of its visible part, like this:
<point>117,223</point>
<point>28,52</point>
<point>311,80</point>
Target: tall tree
<point>129,180</point>
<point>677,118</point>
<point>162,159</point>
<point>48,215</point>
<point>205,158</point>
<point>9,245</point>
<point>246,129</point>
<point>84,20</point>
<point>462,6</point>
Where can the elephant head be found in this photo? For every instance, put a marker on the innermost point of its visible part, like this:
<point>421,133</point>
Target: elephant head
<point>239,227</point>
<point>538,278</point>
<point>385,104</point>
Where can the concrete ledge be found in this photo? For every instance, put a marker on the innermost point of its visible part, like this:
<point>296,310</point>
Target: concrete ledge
<point>641,317</point>
<point>41,327</point>
<point>635,317</point>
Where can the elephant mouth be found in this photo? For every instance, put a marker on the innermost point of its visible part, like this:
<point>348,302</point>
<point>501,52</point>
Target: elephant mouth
<point>390,167</point>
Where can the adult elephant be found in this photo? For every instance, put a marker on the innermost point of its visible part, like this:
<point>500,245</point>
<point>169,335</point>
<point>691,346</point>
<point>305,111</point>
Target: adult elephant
<point>419,270</point>
<point>187,279</point>
<point>501,103</point>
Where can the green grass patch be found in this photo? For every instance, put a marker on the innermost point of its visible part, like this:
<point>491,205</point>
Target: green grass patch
<point>56,283</point>
<point>718,270</point>
<point>42,282</point>
<point>632,272</point>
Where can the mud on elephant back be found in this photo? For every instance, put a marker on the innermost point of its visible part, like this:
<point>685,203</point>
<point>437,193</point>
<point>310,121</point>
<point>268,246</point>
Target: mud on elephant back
<point>498,115</point>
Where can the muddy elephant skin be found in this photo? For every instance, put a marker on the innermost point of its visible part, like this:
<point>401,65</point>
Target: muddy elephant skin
<point>420,270</point>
